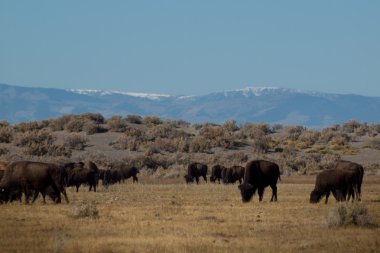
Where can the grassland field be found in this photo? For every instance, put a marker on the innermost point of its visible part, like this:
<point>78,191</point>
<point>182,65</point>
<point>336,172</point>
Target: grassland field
<point>170,216</point>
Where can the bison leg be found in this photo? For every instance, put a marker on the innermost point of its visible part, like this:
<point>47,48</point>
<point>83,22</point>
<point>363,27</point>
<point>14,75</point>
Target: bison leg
<point>64,194</point>
<point>135,179</point>
<point>274,193</point>
<point>35,195</point>
<point>327,197</point>
<point>197,179</point>
<point>77,187</point>
<point>261,193</point>
<point>205,178</point>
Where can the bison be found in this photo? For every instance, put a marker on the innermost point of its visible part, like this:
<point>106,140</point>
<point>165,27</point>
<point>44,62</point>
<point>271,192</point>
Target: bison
<point>83,173</point>
<point>216,173</point>
<point>127,172</point>
<point>233,174</point>
<point>340,182</point>
<point>259,174</point>
<point>32,178</point>
<point>359,173</point>
<point>196,170</point>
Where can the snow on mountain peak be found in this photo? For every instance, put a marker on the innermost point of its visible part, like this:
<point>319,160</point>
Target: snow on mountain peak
<point>90,92</point>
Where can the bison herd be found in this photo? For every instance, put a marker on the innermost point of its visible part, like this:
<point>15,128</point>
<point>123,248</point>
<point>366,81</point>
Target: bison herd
<point>34,178</point>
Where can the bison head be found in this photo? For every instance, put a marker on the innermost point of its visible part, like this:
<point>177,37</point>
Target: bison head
<point>189,179</point>
<point>246,191</point>
<point>315,196</point>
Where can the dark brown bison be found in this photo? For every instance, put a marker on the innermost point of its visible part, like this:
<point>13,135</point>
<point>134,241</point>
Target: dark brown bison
<point>107,178</point>
<point>32,178</point>
<point>359,173</point>
<point>196,170</point>
<point>83,173</point>
<point>115,176</point>
<point>340,182</point>
<point>259,174</point>
<point>233,174</point>
<point>216,173</point>
<point>101,174</point>
<point>127,172</point>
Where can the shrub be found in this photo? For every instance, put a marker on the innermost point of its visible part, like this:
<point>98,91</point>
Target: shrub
<point>178,123</point>
<point>75,141</point>
<point>165,131</point>
<point>59,150</point>
<point>6,134</point>
<point>350,126</point>
<point>93,128</point>
<point>362,130</point>
<point>117,124</point>
<point>255,131</point>
<point>277,127</point>
<point>237,157</point>
<point>373,143</point>
<point>126,142</point>
<point>199,144</point>
<point>230,125</point>
<point>326,135</point>
<point>261,145</point>
<point>28,126</point>
<point>84,209</point>
<point>309,137</point>
<point>75,125</point>
<point>26,139</point>
<point>152,120</point>
<point>376,128</point>
<point>95,117</point>
<point>294,132</point>
<point>345,214</point>
<point>134,119</point>
<point>58,124</point>
<point>168,145</point>
<point>3,150</point>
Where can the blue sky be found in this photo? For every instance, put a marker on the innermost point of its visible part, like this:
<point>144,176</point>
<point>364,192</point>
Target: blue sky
<point>192,47</point>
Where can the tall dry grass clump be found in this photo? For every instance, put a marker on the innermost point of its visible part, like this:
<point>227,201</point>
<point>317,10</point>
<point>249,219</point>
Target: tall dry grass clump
<point>348,214</point>
<point>84,209</point>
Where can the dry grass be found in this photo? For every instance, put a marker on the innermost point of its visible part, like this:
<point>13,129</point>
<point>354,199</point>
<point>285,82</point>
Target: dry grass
<point>174,217</point>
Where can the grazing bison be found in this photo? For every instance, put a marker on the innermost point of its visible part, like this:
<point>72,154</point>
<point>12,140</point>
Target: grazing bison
<point>216,173</point>
<point>340,182</point>
<point>83,173</point>
<point>32,178</point>
<point>233,174</point>
<point>359,173</point>
<point>259,174</point>
<point>196,170</point>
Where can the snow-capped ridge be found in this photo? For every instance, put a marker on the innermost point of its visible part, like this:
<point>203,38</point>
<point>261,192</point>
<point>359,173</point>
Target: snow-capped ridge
<point>91,92</point>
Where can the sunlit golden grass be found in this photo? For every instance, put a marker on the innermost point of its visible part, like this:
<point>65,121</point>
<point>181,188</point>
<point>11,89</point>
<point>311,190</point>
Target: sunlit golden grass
<point>188,218</point>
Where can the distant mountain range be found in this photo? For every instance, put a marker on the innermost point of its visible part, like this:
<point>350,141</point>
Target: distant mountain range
<point>252,104</point>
